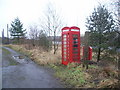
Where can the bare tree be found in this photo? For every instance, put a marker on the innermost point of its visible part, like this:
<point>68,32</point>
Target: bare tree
<point>116,12</point>
<point>118,29</point>
<point>52,25</point>
<point>38,37</point>
<point>43,41</point>
<point>33,34</point>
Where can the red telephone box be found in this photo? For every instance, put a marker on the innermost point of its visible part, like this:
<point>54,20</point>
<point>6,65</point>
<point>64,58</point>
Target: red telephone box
<point>70,45</point>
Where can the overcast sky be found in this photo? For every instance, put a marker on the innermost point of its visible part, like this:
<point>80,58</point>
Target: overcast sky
<point>73,12</point>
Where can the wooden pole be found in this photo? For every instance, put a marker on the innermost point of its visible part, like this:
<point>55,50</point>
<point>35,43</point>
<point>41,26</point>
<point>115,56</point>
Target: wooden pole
<point>86,50</point>
<point>3,36</point>
<point>7,35</point>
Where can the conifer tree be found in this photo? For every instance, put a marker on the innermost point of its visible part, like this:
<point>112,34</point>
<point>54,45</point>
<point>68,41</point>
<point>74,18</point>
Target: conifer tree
<point>16,30</point>
<point>101,26</point>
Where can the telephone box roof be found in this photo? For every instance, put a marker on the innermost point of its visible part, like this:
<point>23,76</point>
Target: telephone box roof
<point>65,28</point>
<point>74,27</point>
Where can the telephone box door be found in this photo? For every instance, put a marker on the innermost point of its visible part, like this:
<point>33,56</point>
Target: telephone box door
<point>75,47</point>
<point>65,47</point>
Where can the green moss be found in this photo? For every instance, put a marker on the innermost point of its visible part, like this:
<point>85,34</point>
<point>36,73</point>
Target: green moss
<point>20,50</point>
<point>6,51</point>
<point>13,64</point>
<point>11,61</point>
<point>92,66</point>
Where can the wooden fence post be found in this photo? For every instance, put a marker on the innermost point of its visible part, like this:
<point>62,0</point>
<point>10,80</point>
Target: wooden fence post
<point>86,50</point>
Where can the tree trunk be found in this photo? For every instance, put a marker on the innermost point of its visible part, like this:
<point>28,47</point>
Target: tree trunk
<point>99,52</point>
<point>54,44</point>
<point>18,39</point>
<point>99,49</point>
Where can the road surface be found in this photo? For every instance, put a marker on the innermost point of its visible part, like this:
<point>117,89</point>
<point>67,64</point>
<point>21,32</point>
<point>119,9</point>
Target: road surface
<point>19,71</point>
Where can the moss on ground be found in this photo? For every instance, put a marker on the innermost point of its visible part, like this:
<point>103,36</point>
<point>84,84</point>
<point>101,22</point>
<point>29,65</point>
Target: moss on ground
<point>74,76</point>
<point>19,49</point>
<point>6,51</point>
<point>11,61</point>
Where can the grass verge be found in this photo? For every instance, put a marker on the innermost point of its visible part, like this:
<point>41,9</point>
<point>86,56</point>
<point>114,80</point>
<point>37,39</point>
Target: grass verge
<point>6,51</point>
<point>73,75</point>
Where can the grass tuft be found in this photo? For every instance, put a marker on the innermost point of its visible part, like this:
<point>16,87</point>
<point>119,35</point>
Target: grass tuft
<point>73,76</point>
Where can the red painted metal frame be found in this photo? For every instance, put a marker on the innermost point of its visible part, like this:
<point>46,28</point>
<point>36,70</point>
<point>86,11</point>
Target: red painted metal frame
<point>65,31</point>
<point>68,55</point>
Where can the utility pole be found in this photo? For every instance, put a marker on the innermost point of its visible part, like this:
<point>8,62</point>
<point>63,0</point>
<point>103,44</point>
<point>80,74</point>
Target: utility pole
<point>3,36</point>
<point>49,32</point>
<point>7,34</point>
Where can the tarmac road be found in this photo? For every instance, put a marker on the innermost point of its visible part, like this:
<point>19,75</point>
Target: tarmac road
<point>24,73</point>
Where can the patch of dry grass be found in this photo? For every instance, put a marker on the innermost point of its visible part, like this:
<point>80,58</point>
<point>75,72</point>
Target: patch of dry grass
<point>38,55</point>
<point>108,83</point>
<point>44,57</point>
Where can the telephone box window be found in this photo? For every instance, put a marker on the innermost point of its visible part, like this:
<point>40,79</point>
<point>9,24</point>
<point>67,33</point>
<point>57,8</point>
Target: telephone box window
<point>75,38</point>
<point>65,42</point>
<point>75,52</point>
<point>75,35</point>
<point>64,56</point>
<point>64,59</point>
<point>65,46</point>
<point>75,42</point>
<point>64,39</point>
<point>64,49</point>
<point>75,56</point>
<point>75,49</point>
<point>64,52</point>
<point>65,36</point>
<point>75,45</point>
